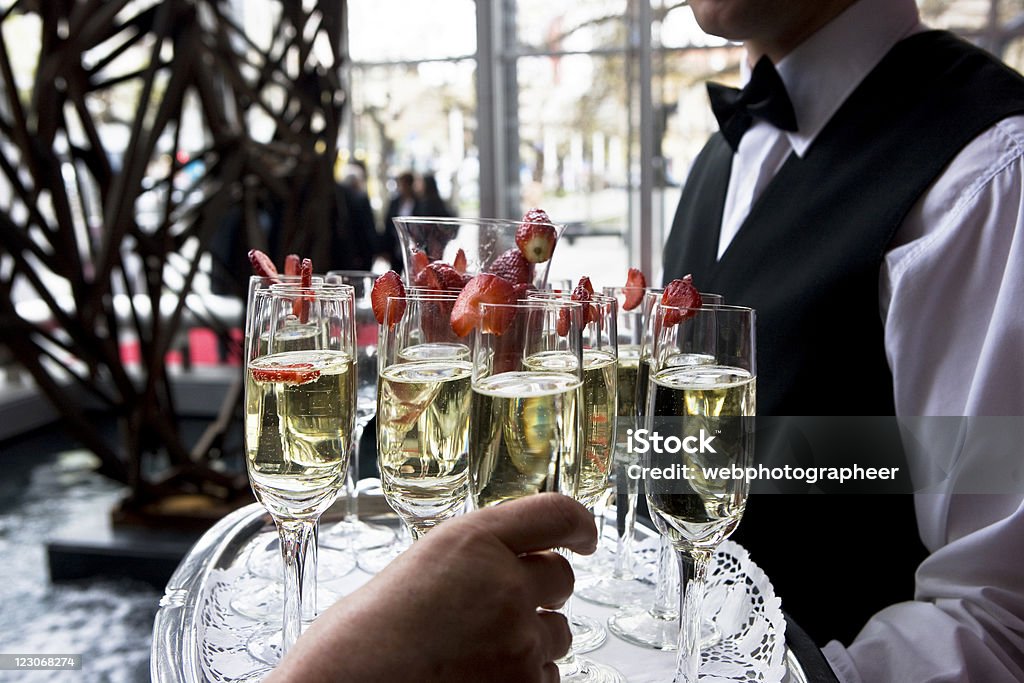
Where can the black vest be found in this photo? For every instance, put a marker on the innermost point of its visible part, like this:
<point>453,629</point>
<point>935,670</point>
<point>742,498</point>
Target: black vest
<point>808,258</point>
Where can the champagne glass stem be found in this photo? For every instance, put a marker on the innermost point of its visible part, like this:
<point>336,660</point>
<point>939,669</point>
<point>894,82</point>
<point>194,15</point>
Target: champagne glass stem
<point>693,574</point>
<point>666,588</point>
<point>568,666</point>
<point>625,523</point>
<point>296,539</point>
<point>310,558</point>
<point>352,476</point>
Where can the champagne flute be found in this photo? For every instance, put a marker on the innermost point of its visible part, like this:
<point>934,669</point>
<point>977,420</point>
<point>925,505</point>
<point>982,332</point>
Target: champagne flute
<point>423,412</point>
<point>264,598</point>
<point>427,336</point>
<point>526,412</point>
<point>620,586</point>
<point>598,400</point>
<point>299,418</point>
<point>710,404</point>
<point>351,532</point>
<point>656,626</point>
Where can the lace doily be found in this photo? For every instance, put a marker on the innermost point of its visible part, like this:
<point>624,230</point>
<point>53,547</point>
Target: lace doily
<point>742,604</point>
<point>207,640</point>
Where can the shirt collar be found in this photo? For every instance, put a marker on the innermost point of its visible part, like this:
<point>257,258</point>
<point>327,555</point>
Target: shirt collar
<point>822,71</point>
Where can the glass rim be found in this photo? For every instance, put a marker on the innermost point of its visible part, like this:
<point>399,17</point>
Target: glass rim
<point>439,296</point>
<point>319,289</point>
<point>490,222</point>
<point>547,294</point>
<point>341,272</point>
<point>539,303</point>
<point>728,308</point>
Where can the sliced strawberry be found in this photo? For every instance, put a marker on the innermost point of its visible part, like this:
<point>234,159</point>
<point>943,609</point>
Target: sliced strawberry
<point>261,264</point>
<point>420,260</point>
<point>484,288</point>
<point>536,237</point>
<point>300,306</point>
<point>459,263</point>
<point>292,264</point>
<point>387,285</point>
<point>583,293</point>
<point>439,275</point>
<point>296,373</point>
<point>680,294</point>
<point>513,266</point>
<point>634,289</point>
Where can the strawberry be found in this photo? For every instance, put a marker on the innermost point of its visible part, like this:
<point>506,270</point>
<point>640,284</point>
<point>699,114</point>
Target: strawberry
<point>300,306</point>
<point>484,288</point>
<point>634,289</point>
<point>513,266</point>
<point>459,263</point>
<point>387,285</point>
<point>536,237</point>
<point>680,294</point>
<point>439,275</point>
<point>583,293</point>
<point>420,260</point>
<point>261,264</point>
<point>291,264</point>
<point>296,373</point>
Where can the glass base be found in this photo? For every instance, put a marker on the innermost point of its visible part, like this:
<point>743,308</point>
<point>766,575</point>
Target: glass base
<point>612,592</point>
<point>374,560</point>
<point>356,535</point>
<point>263,600</point>
<point>601,563</point>
<point>265,646</point>
<point>332,564</point>
<point>588,671</point>
<point>640,626</point>
<point>587,634</point>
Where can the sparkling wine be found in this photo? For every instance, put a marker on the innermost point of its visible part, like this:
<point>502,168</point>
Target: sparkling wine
<point>704,507</point>
<point>298,429</point>
<point>435,351</point>
<point>627,367</point>
<point>600,380</point>
<point>523,435</point>
<point>422,430</point>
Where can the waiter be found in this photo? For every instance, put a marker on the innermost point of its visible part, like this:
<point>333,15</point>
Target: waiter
<point>865,194</point>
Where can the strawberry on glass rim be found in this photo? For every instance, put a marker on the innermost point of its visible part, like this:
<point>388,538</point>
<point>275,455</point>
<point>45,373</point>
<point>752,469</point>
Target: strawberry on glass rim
<point>583,293</point>
<point>300,307</point>
<point>680,293</point>
<point>634,289</point>
<point>262,265</point>
<point>484,288</point>
<point>536,236</point>
<point>387,285</point>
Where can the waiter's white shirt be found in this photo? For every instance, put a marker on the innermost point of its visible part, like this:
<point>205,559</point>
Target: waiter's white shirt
<point>951,295</point>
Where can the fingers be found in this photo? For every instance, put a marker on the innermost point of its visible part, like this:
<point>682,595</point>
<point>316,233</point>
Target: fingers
<point>549,578</point>
<point>550,674</point>
<point>540,522</point>
<point>556,635</point>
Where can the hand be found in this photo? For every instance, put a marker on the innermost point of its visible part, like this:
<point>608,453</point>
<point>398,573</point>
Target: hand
<point>460,605</point>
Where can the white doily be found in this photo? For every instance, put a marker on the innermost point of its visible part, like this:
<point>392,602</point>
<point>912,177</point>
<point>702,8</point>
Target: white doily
<point>743,605</point>
<point>740,600</point>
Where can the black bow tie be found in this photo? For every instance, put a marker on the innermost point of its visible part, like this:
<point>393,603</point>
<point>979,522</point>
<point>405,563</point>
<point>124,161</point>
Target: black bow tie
<point>764,97</point>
